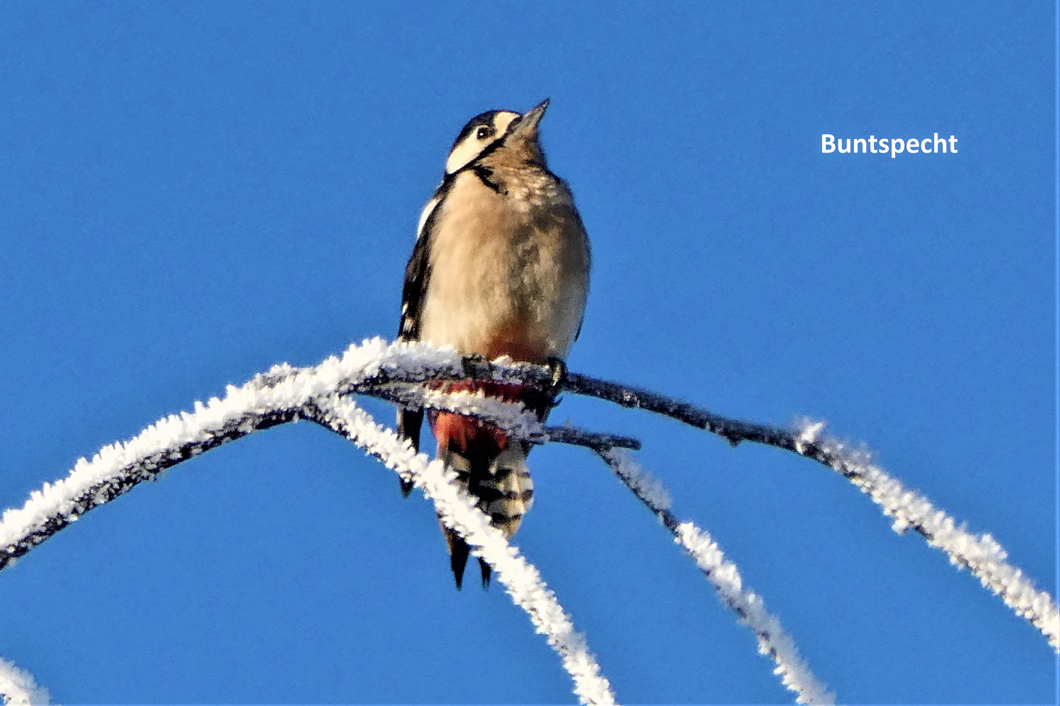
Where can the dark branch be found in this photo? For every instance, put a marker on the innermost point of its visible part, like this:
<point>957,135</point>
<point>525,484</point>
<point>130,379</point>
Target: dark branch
<point>596,442</point>
<point>732,430</point>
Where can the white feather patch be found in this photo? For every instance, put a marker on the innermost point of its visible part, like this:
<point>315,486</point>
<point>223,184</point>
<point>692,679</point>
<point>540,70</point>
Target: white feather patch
<point>425,214</point>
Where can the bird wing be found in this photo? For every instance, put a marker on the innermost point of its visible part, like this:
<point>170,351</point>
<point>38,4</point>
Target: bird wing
<point>417,274</point>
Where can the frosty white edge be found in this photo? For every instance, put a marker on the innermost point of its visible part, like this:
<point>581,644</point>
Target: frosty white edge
<point>18,688</point>
<point>315,388</point>
<point>725,577</point>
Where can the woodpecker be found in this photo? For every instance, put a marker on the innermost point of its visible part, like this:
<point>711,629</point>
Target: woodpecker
<point>500,267</point>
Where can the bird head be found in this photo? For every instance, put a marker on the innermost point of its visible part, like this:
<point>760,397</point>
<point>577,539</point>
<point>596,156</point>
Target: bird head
<point>493,130</point>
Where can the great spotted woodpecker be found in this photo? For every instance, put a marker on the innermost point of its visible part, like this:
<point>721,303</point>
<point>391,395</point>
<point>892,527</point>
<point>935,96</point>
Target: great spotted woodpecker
<point>500,267</point>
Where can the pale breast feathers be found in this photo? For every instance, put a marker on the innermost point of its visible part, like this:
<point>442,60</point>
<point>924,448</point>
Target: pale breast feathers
<point>505,268</point>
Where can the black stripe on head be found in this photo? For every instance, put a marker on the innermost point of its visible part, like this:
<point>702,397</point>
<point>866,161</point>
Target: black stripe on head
<point>487,119</point>
<point>482,133</point>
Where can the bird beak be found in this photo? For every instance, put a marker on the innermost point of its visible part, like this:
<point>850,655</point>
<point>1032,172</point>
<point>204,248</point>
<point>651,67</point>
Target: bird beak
<point>528,122</point>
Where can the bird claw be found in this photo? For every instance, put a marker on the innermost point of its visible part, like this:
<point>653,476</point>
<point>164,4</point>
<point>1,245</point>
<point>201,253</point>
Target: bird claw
<point>558,371</point>
<point>472,364</point>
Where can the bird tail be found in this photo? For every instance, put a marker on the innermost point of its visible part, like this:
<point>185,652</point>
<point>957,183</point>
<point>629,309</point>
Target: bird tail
<point>409,422</point>
<point>490,466</point>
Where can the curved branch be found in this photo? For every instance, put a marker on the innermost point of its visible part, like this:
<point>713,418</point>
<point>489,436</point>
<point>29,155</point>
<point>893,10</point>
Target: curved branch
<point>376,368</point>
<point>458,511</point>
<point>979,553</point>
<point>286,394</point>
<point>276,397</point>
<point>725,577</point>
<point>116,470</point>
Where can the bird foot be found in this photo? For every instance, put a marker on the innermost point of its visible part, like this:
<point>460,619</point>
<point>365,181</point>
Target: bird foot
<point>473,363</point>
<point>558,370</point>
<point>557,381</point>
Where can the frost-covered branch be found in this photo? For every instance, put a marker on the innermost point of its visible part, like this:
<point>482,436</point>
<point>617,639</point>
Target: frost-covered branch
<point>980,553</point>
<point>391,371</point>
<point>286,394</point>
<point>724,576</point>
<point>118,468</point>
<point>506,415</point>
<point>273,398</point>
<point>456,509</point>
<point>17,687</point>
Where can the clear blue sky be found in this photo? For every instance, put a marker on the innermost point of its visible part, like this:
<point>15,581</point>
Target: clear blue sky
<point>191,192</point>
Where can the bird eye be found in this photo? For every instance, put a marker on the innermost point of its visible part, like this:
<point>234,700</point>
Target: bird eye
<point>483,132</point>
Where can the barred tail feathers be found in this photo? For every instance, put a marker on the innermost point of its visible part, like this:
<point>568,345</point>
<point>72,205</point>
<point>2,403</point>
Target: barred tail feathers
<point>491,468</point>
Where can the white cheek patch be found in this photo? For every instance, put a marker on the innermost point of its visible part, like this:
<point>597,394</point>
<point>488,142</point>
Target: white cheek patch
<point>503,121</point>
<point>464,153</point>
<point>472,147</point>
